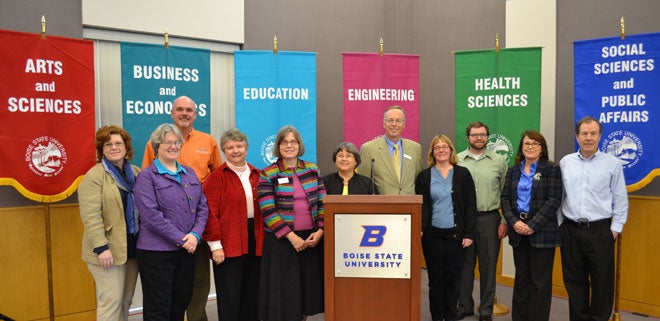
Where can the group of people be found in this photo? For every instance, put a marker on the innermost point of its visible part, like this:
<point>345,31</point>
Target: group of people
<point>263,228</point>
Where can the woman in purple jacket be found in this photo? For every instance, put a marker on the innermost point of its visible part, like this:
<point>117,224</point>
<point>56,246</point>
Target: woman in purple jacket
<point>173,214</point>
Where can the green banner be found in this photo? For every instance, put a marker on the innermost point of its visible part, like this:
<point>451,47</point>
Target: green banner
<point>502,89</point>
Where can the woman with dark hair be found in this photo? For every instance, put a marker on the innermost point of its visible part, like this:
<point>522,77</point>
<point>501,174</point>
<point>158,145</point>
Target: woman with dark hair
<point>110,223</point>
<point>530,199</point>
<point>174,212</point>
<point>346,181</point>
<point>235,230</point>
<point>449,216</point>
<point>291,199</point>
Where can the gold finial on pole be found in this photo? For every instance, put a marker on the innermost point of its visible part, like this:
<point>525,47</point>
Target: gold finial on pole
<point>382,49</point>
<point>43,27</point>
<point>275,44</point>
<point>623,29</point>
<point>497,42</point>
<point>167,38</point>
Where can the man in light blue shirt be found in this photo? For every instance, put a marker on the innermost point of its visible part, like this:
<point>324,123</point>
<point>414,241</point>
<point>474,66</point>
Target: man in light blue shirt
<point>594,209</point>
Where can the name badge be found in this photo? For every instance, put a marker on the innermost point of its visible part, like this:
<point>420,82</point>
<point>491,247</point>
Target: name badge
<point>407,156</point>
<point>283,180</point>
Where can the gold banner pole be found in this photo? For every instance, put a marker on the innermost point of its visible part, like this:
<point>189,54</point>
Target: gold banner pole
<point>275,44</point>
<point>382,47</point>
<point>43,27</point>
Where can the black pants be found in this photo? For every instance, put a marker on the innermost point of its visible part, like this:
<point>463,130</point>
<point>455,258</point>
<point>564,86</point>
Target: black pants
<point>587,257</point>
<point>167,280</point>
<point>532,288</point>
<point>445,258</point>
<point>237,284</point>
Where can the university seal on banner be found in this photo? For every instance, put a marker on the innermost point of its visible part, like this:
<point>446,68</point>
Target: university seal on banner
<point>45,156</point>
<point>267,150</point>
<point>501,145</point>
<point>625,146</point>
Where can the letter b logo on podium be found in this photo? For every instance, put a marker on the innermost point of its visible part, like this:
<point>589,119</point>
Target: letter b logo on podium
<point>373,235</point>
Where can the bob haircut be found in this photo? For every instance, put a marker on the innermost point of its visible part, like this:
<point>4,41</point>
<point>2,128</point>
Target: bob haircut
<point>537,137</point>
<point>280,137</point>
<point>235,135</point>
<point>159,133</point>
<point>103,136</point>
<point>453,158</point>
<point>349,148</point>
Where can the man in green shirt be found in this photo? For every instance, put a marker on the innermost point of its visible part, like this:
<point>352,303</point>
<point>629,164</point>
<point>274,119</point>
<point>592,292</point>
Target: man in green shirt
<point>488,171</point>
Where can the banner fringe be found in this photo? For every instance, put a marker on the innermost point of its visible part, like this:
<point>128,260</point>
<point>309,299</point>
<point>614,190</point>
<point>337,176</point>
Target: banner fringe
<point>40,197</point>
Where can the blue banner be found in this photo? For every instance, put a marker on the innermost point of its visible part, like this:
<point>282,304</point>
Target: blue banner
<point>616,82</point>
<point>152,77</point>
<point>273,90</point>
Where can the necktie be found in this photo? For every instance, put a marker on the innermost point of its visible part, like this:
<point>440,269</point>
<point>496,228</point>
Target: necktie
<point>396,162</point>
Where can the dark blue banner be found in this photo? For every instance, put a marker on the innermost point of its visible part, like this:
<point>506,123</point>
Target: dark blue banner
<point>616,81</point>
<point>273,90</point>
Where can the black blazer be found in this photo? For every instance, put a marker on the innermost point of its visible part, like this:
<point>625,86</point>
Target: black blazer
<point>464,200</point>
<point>358,184</point>
<point>546,199</point>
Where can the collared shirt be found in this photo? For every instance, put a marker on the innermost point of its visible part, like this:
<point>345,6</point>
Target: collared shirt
<point>524,189</point>
<point>443,209</point>
<point>489,174</point>
<point>163,170</point>
<point>199,151</point>
<point>594,188</point>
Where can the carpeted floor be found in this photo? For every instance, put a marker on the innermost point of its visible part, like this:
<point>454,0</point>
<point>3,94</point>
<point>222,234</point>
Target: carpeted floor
<point>559,310</point>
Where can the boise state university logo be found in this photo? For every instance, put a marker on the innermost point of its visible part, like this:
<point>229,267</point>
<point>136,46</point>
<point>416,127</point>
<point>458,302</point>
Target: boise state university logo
<point>625,146</point>
<point>267,150</point>
<point>45,156</point>
<point>501,145</point>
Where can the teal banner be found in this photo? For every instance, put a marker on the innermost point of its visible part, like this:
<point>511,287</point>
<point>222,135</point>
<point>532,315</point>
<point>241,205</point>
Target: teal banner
<point>273,90</point>
<point>152,77</point>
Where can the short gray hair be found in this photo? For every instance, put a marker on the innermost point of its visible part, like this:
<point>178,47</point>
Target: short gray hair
<point>158,135</point>
<point>233,134</point>
<point>393,107</point>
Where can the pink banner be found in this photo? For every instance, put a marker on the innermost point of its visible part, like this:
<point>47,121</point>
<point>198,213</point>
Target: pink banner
<point>372,83</point>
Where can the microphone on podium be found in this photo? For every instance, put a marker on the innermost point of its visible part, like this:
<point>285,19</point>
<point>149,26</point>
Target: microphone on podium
<point>373,181</point>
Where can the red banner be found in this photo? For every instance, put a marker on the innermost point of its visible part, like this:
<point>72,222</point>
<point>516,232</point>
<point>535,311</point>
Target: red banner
<point>46,115</point>
<point>371,84</point>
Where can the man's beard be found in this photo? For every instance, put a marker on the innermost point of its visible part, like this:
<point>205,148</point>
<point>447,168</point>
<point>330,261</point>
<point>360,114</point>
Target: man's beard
<point>474,147</point>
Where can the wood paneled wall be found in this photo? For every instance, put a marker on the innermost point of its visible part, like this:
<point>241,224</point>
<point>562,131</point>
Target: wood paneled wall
<point>24,269</point>
<point>24,265</point>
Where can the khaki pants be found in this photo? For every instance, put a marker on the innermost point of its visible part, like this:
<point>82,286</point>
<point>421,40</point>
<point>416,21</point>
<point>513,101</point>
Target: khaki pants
<point>115,288</point>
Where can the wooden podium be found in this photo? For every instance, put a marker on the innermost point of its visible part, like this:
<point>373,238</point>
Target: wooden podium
<point>367,297</point>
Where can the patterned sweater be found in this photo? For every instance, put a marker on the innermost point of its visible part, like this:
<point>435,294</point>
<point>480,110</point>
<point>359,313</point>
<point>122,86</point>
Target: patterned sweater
<point>275,192</point>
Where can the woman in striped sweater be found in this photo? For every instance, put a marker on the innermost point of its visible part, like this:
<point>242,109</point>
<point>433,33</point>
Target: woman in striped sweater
<point>291,200</point>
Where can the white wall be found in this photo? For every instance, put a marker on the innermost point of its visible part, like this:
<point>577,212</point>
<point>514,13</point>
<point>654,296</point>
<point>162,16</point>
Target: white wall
<point>533,23</point>
<point>201,19</point>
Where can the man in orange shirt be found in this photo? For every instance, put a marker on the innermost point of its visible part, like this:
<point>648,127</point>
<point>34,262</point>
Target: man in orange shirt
<point>199,151</point>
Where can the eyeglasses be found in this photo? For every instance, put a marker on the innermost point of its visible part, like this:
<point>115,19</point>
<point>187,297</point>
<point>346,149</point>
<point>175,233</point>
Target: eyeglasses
<point>115,144</point>
<point>531,145</point>
<point>347,155</point>
<point>392,121</point>
<point>438,148</point>
<point>482,135</point>
<point>289,142</point>
<point>171,143</point>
